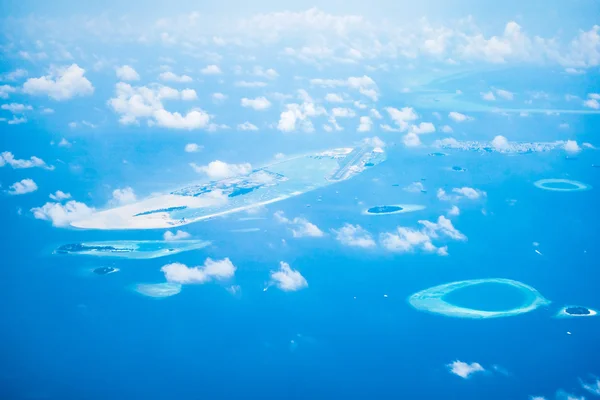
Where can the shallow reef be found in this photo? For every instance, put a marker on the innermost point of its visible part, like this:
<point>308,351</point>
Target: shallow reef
<point>432,300</point>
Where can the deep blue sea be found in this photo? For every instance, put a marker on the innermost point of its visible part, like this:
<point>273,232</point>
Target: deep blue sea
<point>68,333</point>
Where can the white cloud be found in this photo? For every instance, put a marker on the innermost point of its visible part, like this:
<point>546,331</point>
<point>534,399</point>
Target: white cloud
<point>192,148</point>
<point>61,84</point>
<point>365,124</point>
<point>247,126</point>
<point>219,169</point>
<point>250,84</point>
<point>188,94</point>
<point>458,117</point>
<point>259,103</point>
<point>488,96</point>
<point>62,215</point>
<point>5,90</point>
<point>343,112</point>
<point>354,235</point>
<point>422,128</point>
<point>16,108</point>
<point>574,71</point>
<point>402,117</point>
<point>169,76</point>
<point>411,139</point>
<point>463,369</point>
<point>374,141</point>
<point>14,75</point>
<point>16,120</point>
<point>23,187</point>
<point>179,235</point>
<point>299,115</point>
<point>447,129</point>
<point>288,279</point>
<point>415,187</point>
<point>500,143</point>
<point>217,270</point>
<point>123,196</point>
<point>64,143</point>
<point>375,114</point>
<point>505,94</point>
<point>364,84</point>
<point>127,73</point>
<point>334,98</point>
<point>211,70</point>
<point>459,193</point>
<point>218,97</point>
<point>134,103</point>
<point>592,103</point>
<point>572,147</point>
<point>300,227</point>
<point>7,158</point>
<point>269,73</point>
<point>59,195</point>
<point>595,96</point>
<point>454,211</point>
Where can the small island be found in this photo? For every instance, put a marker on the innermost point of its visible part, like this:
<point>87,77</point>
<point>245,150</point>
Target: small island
<point>393,209</point>
<point>576,311</point>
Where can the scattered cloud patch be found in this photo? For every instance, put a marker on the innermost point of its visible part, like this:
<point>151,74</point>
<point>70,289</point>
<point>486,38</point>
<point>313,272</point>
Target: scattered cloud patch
<point>211,270</point>
<point>179,235</point>
<point>247,126</point>
<point>458,117</point>
<point>464,370</point>
<point>288,279</point>
<point>192,148</point>
<point>23,187</point>
<point>60,84</point>
<point>211,70</point>
<point>169,76</point>
<point>7,158</point>
<point>365,124</point>
<point>300,227</point>
<point>354,236</point>
<point>259,103</point>
<point>218,169</point>
<point>572,147</point>
<point>123,196</point>
<point>127,73</point>
<point>62,215</point>
<point>16,108</point>
<point>500,143</point>
<point>59,195</point>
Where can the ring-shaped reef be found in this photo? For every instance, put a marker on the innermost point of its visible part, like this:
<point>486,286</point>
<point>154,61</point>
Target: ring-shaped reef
<point>158,290</point>
<point>432,300</point>
<point>562,185</point>
<point>576,312</point>
<point>393,209</point>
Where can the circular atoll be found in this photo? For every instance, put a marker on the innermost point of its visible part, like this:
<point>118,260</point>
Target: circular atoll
<point>561,185</point>
<point>576,311</point>
<point>433,299</point>
<point>158,290</point>
<point>105,270</point>
<point>393,209</point>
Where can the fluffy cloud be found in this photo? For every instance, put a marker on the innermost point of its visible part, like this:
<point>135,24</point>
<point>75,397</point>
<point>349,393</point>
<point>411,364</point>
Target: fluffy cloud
<point>592,103</point>
<point>488,96</point>
<point>123,196</point>
<point>459,193</point>
<point>500,143</point>
<point>458,117</point>
<point>422,128</point>
<point>5,91</point>
<point>406,239</point>
<point>354,236</point>
<point>454,211</point>
<point>211,70</point>
<point>259,103</point>
<point>288,279</point>
<point>250,84</point>
<point>179,235</point>
<point>62,215</point>
<point>127,73</point>
<point>402,117</point>
<point>365,124</point>
<point>300,227</point>
<point>364,84</point>
<point>411,139</point>
<point>447,129</point>
<point>134,103</point>
<point>334,98</point>
<point>16,108</point>
<point>505,94</point>
<point>192,148</point>
<point>343,112</point>
<point>269,73</point>
<point>219,169</point>
<point>169,76</point>
<point>59,195</point>
<point>218,97</point>
<point>572,147</point>
<point>299,115</point>
<point>247,126</point>
<point>415,187</point>
<point>7,158</point>
<point>463,369</point>
<point>61,84</point>
<point>211,270</point>
<point>23,187</point>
